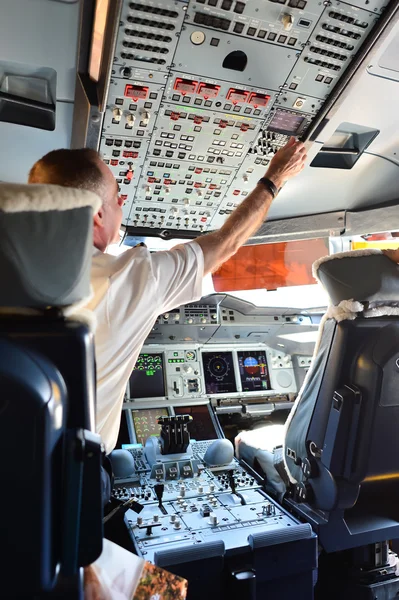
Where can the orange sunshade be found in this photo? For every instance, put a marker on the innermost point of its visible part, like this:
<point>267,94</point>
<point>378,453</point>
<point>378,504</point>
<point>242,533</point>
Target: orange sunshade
<point>270,266</point>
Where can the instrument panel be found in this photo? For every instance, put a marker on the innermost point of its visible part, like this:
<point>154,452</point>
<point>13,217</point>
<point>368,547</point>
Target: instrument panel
<point>197,371</point>
<point>204,92</point>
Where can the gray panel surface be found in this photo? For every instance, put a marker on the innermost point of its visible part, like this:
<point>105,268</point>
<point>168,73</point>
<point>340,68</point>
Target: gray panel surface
<point>261,67</point>
<point>29,144</point>
<point>42,34</point>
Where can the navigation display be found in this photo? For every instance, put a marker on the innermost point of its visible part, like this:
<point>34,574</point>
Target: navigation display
<point>285,121</point>
<point>147,378</point>
<point>202,427</point>
<point>145,423</point>
<point>219,372</point>
<point>253,371</point>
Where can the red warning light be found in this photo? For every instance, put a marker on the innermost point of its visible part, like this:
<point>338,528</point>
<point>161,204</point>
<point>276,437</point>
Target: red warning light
<point>129,175</point>
<point>223,124</point>
<point>258,99</point>
<point>198,120</point>
<point>185,86</point>
<point>244,127</point>
<point>136,92</point>
<point>130,154</point>
<point>208,90</point>
<point>175,116</point>
<point>236,96</point>
<point>236,192</point>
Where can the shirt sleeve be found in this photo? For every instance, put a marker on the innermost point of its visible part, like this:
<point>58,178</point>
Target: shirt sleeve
<point>178,275</point>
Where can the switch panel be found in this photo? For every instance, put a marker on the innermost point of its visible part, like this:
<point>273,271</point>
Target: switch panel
<point>203,93</point>
<point>192,134</point>
<point>181,195</point>
<point>132,108</point>
<point>125,159</point>
<point>147,34</point>
<point>220,96</point>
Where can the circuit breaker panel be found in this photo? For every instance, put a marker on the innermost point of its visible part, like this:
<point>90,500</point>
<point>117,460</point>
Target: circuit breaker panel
<point>203,93</point>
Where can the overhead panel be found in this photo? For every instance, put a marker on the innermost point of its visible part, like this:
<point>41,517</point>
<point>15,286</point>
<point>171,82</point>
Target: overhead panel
<point>204,93</point>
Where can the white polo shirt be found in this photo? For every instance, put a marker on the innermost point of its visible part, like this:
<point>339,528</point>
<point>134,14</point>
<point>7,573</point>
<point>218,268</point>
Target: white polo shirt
<point>130,291</point>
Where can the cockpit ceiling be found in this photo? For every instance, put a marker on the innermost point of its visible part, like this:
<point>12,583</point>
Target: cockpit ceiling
<point>203,93</point>
<point>195,97</point>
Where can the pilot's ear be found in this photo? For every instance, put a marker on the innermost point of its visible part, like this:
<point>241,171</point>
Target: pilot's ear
<point>99,218</point>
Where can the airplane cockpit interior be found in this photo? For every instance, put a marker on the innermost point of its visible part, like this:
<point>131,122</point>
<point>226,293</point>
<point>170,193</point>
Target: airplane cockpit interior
<point>258,450</point>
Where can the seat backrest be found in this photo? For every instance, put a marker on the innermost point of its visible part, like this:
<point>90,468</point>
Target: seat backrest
<point>47,389</point>
<point>341,445</point>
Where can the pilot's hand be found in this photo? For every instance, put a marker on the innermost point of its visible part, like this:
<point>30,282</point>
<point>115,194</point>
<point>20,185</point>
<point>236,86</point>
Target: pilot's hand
<point>287,162</point>
<point>392,254</point>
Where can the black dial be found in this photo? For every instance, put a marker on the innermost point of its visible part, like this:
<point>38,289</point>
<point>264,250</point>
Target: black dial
<point>219,372</point>
<point>218,367</point>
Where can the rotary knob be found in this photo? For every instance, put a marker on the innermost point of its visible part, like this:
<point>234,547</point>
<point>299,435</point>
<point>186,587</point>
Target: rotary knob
<point>139,520</point>
<point>156,518</point>
<point>117,114</point>
<point>172,518</point>
<point>130,119</point>
<point>177,524</point>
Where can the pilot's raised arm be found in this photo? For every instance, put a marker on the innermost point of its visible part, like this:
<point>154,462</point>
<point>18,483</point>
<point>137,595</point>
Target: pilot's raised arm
<point>220,245</point>
<point>131,290</point>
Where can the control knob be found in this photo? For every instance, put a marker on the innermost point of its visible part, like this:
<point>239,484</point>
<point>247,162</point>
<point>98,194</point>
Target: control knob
<point>117,113</point>
<point>177,524</point>
<point>213,519</point>
<point>130,119</point>
<point>145,117</point>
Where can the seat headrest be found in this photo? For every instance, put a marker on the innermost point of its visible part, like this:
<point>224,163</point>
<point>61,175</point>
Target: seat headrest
<point>361,275</point>
<point>46,241</point>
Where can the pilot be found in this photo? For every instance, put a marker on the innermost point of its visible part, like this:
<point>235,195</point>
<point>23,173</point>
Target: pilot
<point>131,290</point>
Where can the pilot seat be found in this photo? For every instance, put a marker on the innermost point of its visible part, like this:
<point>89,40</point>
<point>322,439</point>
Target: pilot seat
<point>50,466</point>
<point>335,463</point>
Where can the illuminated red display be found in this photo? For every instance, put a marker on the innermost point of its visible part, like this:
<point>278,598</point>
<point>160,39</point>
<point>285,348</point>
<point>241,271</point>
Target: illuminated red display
<point>208,90</point>
<point>185,86</point>
<point>237,95</point>
<point>136,92</point>
<point>258,99</point>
